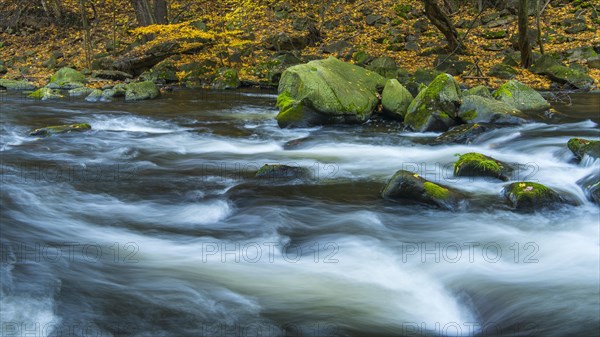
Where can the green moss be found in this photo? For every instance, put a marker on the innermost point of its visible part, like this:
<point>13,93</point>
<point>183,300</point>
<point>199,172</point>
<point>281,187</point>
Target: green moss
<point>529,190</point>
<point>290,110</point>
<point>581,147</point>
<point>50,130</point>
<point>480,161</point>
<point>435,191</point>
<point>469,115</point>
<point>45,93</point>
<point>16,85</point>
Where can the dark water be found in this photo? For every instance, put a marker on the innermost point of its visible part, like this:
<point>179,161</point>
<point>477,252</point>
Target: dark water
<point>153,225</point>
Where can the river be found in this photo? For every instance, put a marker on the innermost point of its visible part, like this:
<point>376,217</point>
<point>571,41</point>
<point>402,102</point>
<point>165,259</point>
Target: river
<point>151,224</point>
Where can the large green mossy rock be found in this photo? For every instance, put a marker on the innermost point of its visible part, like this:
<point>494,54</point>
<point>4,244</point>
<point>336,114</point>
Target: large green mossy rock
<point>435,108</point>
<point>550,66</point>
<point>409,187</point>
<point>521,97</point>
<point>386,67</point>
<point>141,90</point>
<point>52,130</point>
<point>477,109</point>
<point>530,196</point>
<point>478,165</point>
<point>479,90</point>
<point>395,99</point>
<point>67,78</point>
<point>16,85</point>
<point>327,91</point>
<point>582,147</point>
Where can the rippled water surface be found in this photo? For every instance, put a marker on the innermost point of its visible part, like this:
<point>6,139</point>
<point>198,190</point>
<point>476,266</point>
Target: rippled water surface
<point>152,224</point>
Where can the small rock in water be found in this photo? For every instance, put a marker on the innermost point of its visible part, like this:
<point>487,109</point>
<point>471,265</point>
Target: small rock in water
<point>478,165</point>
<point>462,134</point>
<point>410,187</point>
<point>51,130</point>
<point>282,172</point>
<point>582,147</point>
<point>530,196</point>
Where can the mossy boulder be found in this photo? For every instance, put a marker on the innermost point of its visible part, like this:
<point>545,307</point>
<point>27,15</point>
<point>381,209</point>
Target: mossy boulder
<point>45,94</point>
<point>385,66</point>
<point>520,96</point>
<point>478,165</point>
<point>67,78</point>
<point>282,172</point>
<point>462,134</point>
<point>530,196</point>
<point>227,78</point>
<point>422,76</point>
<point>141,90</point>
<point>395,99</point>
<point>327,91</point>
<point>477,109</point>
<point>16,85</point>
<point>162,73</point>
<point>51,130</point>
<point>82,91</point>
<point>550,66</point>
<point>582,147</point>
<point>409,187</point>
<point>94,96</point>
<point>435,108</point>
<point>480,90</point>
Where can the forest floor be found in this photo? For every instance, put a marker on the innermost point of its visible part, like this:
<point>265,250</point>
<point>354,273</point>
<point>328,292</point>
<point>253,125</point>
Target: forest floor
<point>242,35</point>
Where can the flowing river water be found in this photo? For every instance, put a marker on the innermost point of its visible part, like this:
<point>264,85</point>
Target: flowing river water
<point>151,224</point>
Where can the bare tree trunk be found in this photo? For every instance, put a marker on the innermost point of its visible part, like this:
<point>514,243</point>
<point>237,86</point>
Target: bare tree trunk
<point>538,13</point>
<point>143,14</point>
<point>524,45</point>
<point>87,44</point>
<point>160,11</point>
<point>443,23</point>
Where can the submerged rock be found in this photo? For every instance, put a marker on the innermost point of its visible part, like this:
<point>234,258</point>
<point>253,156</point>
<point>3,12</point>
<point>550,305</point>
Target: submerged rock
<point>395,99</point>
<point>283,172</point>
<point>435,108</point>
<point>591,187</point>
<point>410,187</point>
<point>51,130</point>
<point>478,165</point>
<point>463,134</point>
<point>477,109</point>
<point>582,147</point>
<point>530,196</point>
<point>520,96</point>
<point>327,91</point>
<point>141,90</point>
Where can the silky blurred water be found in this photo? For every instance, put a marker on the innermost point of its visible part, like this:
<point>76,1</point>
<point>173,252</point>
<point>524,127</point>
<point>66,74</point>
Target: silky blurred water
<point>152,224</point>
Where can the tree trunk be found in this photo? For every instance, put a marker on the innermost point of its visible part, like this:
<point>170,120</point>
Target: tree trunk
<point>443,23</point>
<point>160,11</point>
<point>143,14</point>
<point>524,45</point>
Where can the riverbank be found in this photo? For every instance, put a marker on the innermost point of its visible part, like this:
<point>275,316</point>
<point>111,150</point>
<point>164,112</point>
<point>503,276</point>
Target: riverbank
<point>255,41</point>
